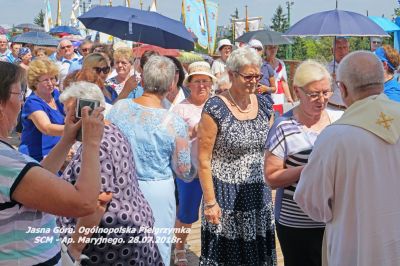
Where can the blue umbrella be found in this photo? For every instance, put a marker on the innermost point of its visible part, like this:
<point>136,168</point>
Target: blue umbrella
<point>386,24</point>
<point>138,25</point>
<point>65,29</point>
<point>36,38</point>
<point>29,26</point>
<point>335,23</point>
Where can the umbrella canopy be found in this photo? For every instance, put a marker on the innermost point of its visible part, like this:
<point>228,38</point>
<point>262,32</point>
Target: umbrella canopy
<point>266,37</point>
<point>36,38</point>
<point>65,29</point>
<point>138,51</point>
<point>30,26</point>
<point>3,30</point>
<point>386,24</point>
<point>138,25</point>
<point>335,23</point>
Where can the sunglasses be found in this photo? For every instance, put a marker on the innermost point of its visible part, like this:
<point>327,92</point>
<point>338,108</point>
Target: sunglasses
<point>105,70</point>
<point>249,78</point>
<point>85,50</point>
<point>66,47</point>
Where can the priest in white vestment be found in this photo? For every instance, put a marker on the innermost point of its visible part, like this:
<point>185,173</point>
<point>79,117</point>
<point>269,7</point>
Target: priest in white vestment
<point>352,178</point>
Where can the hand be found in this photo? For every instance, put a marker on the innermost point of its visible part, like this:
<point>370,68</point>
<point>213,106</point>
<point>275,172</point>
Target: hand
<point>92,125</point>
<point>71,127</point>
<point>105,198</point>
<point>193,131</point>
<point>290,100</point>
<point>131,83</point>
<point>213,214</point>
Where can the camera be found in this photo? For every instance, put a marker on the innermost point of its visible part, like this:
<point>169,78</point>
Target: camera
<point>80,103</point>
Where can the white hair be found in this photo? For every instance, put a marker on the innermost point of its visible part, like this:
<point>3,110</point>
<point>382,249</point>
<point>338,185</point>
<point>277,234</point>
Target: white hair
<point>62,41</point>
<point>158,75</point>
<point>83,90</point>
<point>241,57</point>
<point>310,71</point>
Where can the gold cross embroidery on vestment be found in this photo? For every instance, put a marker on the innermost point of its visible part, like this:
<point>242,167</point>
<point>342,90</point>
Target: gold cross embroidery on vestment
<point>384,120</point>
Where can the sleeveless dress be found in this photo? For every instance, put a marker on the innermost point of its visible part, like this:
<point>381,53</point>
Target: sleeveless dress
<point>245,235</point>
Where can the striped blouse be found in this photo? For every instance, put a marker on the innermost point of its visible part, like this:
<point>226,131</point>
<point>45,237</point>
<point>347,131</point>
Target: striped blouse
<point>288,140</point>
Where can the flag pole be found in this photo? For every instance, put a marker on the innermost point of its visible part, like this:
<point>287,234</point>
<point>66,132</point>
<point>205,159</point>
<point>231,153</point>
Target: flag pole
<point>59,13</point>
<point>208,27</point>
<point>247,21</point>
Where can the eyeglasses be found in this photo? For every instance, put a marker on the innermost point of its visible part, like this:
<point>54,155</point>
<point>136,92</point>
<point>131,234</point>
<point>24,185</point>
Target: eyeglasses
<point>21,94</point>
<point>105,70</point>
<point>316,95</point>
<point>249,78</point>
<point>375,42</point>
<point>201,82</point>
<point>66,47</point>
<point>258,48</point>
<point>85,50</point>
<point>49,80</point>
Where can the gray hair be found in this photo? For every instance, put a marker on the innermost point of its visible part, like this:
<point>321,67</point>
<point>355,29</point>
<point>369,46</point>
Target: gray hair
<point>340,39</point>
<point>361,71</point>
<point>83,90</point>
<point>63,41</point>
<point>243,57</point>
<point>158,75</point>
<point>2,36</point>
<point>310,71</point>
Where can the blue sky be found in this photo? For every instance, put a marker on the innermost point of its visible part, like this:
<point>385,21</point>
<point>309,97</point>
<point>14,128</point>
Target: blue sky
<point>22,11</point>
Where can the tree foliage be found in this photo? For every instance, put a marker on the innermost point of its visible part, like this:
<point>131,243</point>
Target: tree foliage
<point>280,21</point>
<point>39,19</point>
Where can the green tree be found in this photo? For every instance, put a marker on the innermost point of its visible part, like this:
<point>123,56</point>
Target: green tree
<point>279,20</point>
<point>280,23</point>
<point>39,19</point>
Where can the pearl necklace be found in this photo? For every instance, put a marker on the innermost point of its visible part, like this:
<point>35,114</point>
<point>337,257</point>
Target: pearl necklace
<point>237,106</point>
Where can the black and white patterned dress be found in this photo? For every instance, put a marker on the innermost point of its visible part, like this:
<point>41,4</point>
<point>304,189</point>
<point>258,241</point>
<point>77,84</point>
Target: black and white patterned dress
<point>246,233</point>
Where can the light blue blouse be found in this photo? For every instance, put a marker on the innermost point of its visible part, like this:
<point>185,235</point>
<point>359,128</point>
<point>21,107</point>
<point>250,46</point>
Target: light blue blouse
<point>159,140</point>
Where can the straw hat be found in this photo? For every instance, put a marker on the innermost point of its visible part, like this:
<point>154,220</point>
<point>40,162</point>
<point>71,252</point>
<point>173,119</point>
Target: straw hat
<point>199,68</point>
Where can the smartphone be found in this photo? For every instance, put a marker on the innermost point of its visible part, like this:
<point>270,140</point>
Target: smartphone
<point>80,103</point>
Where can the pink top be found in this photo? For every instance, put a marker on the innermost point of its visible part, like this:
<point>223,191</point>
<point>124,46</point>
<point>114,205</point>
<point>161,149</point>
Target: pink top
<point>191,114</point>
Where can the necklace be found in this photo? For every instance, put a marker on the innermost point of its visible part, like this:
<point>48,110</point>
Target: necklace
<point>237,106</point>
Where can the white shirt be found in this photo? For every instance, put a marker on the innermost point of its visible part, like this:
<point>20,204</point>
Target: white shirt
<point>178,98</point>
<point>336,98</point>
<point>218,66</point>
<point>351,183</point>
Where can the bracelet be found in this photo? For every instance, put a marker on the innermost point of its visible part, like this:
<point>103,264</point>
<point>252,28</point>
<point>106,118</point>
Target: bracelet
<point>208,206</point>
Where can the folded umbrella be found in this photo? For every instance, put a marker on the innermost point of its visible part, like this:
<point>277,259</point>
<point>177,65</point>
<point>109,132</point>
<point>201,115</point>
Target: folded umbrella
<point>139,26</point>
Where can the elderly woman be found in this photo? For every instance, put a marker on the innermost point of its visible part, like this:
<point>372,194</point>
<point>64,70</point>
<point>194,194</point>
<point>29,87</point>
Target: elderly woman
<point>390,59</point>
<point>42,115</point>
<point>290,141</point>
<point>123,59</point>
<point>199,81</point>
<point>127,209</point>
<point>100,64</point>
<point>24,57</point>
<point>237,222</point>
<point>31,194</point>
<point>281,80</point>
<point>160,145</point>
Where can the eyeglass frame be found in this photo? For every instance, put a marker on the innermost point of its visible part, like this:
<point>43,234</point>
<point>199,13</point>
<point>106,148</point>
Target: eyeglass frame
<point>21,94</point>
<point>200,82</point>
<point>247,79</point>
<point>49,80</point>
<point>313,95</point>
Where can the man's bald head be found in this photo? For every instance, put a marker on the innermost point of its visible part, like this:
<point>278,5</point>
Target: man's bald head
<point>362,74</point>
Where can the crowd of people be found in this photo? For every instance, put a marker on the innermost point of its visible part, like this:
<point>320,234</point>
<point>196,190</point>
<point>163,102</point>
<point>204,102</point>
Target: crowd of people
<point>166,143</point>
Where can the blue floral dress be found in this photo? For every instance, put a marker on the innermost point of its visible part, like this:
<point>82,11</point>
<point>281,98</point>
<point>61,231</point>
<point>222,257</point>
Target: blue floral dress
<point>160,146</point>
<point>246,234</point>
